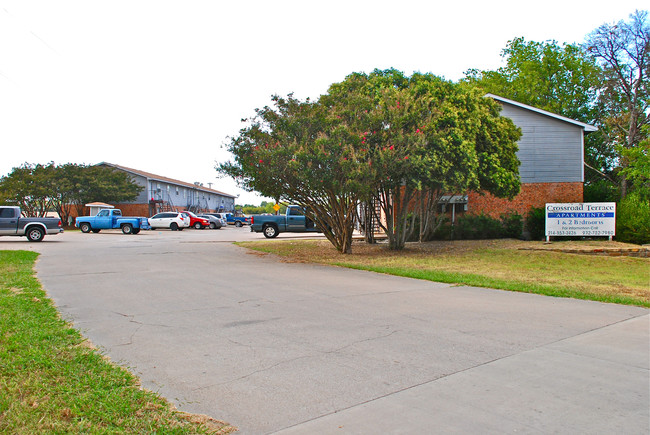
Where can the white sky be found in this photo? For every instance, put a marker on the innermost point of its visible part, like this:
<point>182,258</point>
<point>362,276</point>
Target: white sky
<point>159,85</point>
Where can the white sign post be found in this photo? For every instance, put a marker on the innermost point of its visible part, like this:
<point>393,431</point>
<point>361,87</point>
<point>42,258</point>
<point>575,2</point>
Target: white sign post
<point>581,219</point>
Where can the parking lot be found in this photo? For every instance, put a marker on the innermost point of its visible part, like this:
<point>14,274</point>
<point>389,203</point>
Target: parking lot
<point>277,347</point>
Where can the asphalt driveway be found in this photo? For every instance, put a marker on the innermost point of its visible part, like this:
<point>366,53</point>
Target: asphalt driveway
<point>276,347</point>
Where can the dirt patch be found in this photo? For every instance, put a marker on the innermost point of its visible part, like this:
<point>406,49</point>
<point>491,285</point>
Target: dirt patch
<point>211,425</point>
<point>257,253</point>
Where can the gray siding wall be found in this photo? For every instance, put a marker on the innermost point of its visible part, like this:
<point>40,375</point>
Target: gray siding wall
<point>185,197</point>
<point>550,150</point>
<point>179,195</point>
<point>143,196</point>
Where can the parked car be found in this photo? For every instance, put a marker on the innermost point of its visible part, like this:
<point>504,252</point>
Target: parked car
<point>196,222</point>
<point>111,219</point>
<point>293,222</point>
<point>215,222</point>
<point>221,217</point>
<point>169,219</point>
<point>13,224</point>
<point>237,221</point>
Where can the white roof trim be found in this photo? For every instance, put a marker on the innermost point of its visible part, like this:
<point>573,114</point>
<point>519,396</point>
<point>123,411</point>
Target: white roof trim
<point>586,127</point>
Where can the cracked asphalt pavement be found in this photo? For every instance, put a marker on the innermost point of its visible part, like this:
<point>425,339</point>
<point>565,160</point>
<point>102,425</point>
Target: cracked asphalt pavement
<point>275,347</point>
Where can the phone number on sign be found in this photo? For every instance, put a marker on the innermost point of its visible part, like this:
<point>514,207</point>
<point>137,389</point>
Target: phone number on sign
<point>580,233</point>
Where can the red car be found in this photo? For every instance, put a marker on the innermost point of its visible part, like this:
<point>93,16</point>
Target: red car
<point>196,222</point>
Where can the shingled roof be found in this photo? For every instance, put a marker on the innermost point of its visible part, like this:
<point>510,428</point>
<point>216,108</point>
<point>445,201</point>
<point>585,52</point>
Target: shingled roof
<point>155,177</point>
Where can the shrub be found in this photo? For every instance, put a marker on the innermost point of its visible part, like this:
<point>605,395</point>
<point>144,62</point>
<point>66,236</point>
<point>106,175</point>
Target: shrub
<point>481,226</point>
<point>513,225</point>
<point>536,223</point>
<point>633,218</point>
<point>444,231</point>
<point>601,191</point>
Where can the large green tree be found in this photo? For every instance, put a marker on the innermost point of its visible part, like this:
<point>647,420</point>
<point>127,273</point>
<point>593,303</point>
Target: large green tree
<point>559,78</point>
<point>29,186</point>
<point>38,188</point>
<point>623,51</point>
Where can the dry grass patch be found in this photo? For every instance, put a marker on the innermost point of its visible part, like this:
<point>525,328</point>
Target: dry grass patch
<point>506,264</point>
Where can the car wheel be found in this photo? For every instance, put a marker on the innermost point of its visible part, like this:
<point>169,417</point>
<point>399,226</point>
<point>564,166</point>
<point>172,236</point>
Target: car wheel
<point>136,230</point>
<point>173,226</point>
<point>127,228</point>
<point>85,227</point>
<point>35,234</point>
<point>198,225</point>
<point>213,226</point>
<point>270,231</point>
<point>238,224</point>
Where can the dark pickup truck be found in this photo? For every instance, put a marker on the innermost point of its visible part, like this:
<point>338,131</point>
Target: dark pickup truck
<point>35,229</point>
<point>272,225</point>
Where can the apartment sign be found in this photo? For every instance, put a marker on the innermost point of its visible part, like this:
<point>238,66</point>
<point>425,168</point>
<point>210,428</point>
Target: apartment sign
<point>581,219</point>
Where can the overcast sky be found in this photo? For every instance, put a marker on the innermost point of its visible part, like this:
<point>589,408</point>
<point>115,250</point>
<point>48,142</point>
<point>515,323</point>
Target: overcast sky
<point>159,86</point>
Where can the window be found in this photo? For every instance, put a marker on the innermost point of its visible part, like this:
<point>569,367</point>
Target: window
<point>7,213</point>
<point>177,190</point>
<point>295,211</point>
<point>103,213</point>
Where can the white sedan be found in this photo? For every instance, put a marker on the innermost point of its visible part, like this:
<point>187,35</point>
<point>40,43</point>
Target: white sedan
<point>169,219</point>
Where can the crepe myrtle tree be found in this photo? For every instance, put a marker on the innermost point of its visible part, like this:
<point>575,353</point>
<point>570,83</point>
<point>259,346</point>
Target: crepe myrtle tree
<point>383,138</point>
<point>426,138</point>
<point>303,153</point>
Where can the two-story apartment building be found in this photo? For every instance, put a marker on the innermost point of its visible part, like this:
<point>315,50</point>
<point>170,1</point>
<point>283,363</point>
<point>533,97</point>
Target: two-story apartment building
<point>162,193</point>
<point>551,152</point>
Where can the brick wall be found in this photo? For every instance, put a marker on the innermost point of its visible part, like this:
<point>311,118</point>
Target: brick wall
<point>140,210</point>
<point>531,195</point>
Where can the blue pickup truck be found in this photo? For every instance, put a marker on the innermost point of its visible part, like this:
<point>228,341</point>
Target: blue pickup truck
<point>237,221</point>
<point>293,222</point>
<point>109,219</point>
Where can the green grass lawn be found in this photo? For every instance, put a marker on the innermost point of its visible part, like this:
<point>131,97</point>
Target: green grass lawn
<point>53,381</point>
<point>494,264</point>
